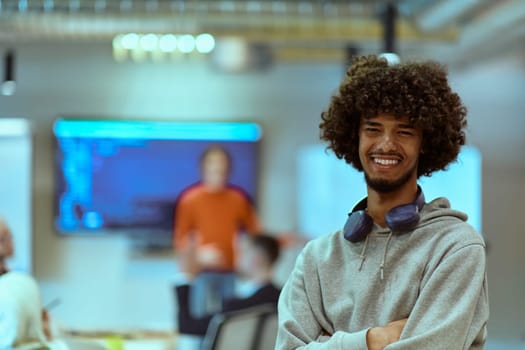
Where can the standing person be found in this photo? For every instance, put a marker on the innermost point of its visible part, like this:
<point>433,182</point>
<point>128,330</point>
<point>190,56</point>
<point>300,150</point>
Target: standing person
<point>403,273</point>
<point>254,265</point>
<point>212,214</point>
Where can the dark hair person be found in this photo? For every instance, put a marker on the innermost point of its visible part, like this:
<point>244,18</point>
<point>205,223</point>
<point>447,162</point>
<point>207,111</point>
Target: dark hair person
<point>402,273</point>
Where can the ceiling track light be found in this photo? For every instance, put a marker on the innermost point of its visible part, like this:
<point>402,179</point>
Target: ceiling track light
<point>8,87</point>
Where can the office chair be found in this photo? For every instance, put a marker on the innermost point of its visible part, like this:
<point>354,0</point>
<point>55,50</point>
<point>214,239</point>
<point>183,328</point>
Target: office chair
<point>268,332</point>
<point>254,328</point>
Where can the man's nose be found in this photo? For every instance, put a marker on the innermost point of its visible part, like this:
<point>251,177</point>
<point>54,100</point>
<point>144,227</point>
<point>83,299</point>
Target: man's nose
<point>387,142</point>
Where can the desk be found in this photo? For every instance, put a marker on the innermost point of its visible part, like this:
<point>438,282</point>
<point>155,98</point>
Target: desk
<point>127,340</point>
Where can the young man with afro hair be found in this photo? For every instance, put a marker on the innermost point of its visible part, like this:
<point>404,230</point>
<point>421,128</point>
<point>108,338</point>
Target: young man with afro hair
<point>403,273</point>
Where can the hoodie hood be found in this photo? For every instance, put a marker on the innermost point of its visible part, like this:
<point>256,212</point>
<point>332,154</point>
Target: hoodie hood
<point>437,209</point>
<point>431,213</point>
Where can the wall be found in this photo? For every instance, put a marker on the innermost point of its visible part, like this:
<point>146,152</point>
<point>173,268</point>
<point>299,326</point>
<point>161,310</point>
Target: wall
<point>101,283</point>
<point>493,92</point>
<point>101,276</point>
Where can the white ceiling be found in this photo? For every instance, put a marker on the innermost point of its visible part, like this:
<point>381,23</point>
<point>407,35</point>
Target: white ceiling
<point>455,31</point>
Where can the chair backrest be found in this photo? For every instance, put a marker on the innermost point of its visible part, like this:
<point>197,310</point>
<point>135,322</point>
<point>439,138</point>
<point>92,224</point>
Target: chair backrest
<point>268,332</point>
<point>246,329</point>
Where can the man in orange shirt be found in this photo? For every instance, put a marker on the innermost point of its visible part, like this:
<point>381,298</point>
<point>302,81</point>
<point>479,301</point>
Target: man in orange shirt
<point>211,215</point>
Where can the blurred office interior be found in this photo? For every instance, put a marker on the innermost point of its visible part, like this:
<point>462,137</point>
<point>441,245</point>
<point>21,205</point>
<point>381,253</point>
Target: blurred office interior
<point>273,63</point>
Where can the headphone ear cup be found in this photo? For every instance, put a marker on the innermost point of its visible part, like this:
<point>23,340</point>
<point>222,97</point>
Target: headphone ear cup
<point>403,217</point>
<point>357,226</point>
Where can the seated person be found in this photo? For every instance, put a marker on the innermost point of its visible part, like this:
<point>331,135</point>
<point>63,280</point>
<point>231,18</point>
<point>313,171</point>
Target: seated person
<point>256,257</point>
<point>23,321</point>
<point>6,246</point>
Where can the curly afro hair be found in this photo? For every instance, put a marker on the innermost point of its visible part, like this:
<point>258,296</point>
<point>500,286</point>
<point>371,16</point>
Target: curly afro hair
<point>419,91</point>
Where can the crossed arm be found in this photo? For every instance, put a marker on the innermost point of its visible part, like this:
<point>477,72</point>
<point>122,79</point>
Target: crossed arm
<point>451,312</point>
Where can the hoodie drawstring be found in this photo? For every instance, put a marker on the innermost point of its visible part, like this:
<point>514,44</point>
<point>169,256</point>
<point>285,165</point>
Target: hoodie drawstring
<point>363,253</point>
<point>382,266</point>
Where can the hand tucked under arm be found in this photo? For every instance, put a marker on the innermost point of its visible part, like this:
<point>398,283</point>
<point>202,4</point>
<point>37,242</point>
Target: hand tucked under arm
<point>378,338</point>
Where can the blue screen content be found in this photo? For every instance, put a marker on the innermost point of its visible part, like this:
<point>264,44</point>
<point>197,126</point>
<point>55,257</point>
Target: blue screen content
<point>126,176</point>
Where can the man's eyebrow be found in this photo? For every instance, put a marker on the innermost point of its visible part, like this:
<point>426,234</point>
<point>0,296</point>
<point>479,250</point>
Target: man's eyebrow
<point>406,126</point>
<point>371,122</point>
<point>401,125</point>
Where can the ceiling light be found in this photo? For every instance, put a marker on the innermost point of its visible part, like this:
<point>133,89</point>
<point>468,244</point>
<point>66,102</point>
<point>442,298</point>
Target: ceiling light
<point>148,42</point>
<point>168,43</point>
<point>8,87</point>
<point>204,43</point>
<point>119,52</point>
<point>130,41</point>
<point>186,43</point>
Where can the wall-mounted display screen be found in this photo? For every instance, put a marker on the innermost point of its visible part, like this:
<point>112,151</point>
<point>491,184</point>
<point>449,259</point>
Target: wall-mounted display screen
<point>114,175</point>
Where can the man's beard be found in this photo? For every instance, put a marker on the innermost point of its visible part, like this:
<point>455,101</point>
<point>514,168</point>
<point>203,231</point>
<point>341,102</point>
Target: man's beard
<point>388,186</point>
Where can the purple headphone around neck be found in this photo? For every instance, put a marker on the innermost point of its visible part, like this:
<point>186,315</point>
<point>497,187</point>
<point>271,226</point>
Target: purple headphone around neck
<point>399,219</point>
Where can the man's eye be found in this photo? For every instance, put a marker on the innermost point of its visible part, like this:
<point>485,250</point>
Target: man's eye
<point>406,133</point>
<point>372,129</point>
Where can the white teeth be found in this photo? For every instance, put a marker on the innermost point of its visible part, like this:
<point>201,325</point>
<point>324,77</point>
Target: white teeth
<point>386,161</point>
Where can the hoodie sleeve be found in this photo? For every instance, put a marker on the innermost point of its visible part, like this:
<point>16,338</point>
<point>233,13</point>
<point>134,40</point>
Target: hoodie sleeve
<point>301,321</point>
<point>452,309</point>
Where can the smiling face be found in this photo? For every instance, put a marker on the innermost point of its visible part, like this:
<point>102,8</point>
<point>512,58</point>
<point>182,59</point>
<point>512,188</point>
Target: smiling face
<point>389,149</point>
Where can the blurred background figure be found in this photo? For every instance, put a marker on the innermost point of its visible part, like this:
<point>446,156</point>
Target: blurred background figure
<point>21,313</point>
<point>23,320</point>
<point>6,246</point>
<point>209,217</point>
<point>254,267</point>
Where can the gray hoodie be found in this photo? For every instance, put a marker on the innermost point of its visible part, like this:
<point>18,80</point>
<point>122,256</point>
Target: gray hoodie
<point>435,275</point>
